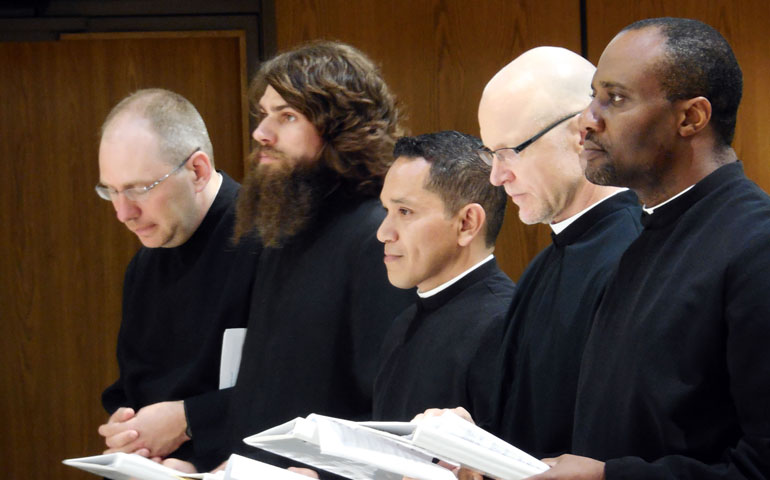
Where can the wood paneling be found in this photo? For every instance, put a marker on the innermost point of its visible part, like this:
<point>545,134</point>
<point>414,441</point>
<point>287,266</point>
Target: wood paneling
<point>745,25</point>
<point>437,55</point>
<point>61,273</point>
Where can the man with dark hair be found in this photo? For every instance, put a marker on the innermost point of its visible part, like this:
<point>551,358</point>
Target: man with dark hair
<point>443,217</point>
<point>321,303</point>
<point>187,284</point>
<point>675,379</point>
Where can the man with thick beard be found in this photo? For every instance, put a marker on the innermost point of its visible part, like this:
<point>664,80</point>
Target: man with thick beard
<point>321,302</point>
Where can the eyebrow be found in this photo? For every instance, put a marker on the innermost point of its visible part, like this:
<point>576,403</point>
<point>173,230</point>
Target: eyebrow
<point>277,108</point>
<point>398,201</point>
<point>607,84</point>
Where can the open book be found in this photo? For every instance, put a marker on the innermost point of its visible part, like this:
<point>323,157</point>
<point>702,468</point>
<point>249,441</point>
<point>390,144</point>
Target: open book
<point>391,450</point>
<point>128,466</point>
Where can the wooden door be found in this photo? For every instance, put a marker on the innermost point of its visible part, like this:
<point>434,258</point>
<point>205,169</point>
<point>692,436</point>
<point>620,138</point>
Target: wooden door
<point>61,272</point>
<point>437,56</point>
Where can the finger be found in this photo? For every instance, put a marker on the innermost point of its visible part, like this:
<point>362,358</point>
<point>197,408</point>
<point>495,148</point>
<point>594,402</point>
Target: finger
<point>180,465</point>
<point>117,423</point>
<point>465,474</point>
<point>122,439</point>
<point>111,429</point>
<point>304,471</point>
<point>551,462</point>
<point>463,413</point>
<point>122,414</point>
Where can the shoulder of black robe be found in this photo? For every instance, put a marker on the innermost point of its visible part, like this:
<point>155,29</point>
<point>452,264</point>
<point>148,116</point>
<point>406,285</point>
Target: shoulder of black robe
<point>320,308</point>
<point>436,353</point>
<point>177,302</point>
<point>675,376</point>
<point>551,315</point>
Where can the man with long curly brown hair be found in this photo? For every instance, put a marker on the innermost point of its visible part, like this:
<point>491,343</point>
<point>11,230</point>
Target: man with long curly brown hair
<point>326,126</point>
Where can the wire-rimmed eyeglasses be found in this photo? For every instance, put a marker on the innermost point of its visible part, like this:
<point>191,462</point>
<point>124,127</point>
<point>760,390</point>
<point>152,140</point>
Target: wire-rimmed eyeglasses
<point>489,155</point>
<point>137,193</point>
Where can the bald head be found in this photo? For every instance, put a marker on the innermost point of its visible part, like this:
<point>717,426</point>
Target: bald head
<point>538,87</point>
<point>526,100</point>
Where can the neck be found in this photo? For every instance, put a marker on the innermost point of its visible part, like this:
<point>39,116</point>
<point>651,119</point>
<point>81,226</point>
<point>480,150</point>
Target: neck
<point>466,258</point>
<point>694,167</point>
<point>586,194</point>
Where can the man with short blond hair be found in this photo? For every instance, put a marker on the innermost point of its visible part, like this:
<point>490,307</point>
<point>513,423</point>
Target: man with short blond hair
<point>187,284</point>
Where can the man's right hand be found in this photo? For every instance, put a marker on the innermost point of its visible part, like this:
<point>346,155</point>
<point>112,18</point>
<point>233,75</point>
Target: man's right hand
<point>118,434</point>
<point>437,412</point>
<point>155,430</point>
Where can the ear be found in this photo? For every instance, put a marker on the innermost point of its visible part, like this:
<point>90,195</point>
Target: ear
<point>200,163</point>
<point>472,217</point>
<point>695,115</point>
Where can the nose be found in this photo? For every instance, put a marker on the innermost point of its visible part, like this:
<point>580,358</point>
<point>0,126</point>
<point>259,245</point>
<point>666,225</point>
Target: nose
<point>589,120</point>
<point>385,233</point>
<point>264,133</point>
<point>501,173</point>
<point>125,209</point>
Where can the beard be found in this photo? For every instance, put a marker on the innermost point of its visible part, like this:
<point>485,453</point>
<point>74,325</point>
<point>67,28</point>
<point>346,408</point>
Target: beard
<point>600,173</point>
<point>279,200</point>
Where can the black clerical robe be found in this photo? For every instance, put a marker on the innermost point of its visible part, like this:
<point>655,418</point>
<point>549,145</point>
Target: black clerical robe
<point>177,303</point>
<point>675,380</point>
<point>552,313</point>
<point>320,308</point>
<point>440,351</point>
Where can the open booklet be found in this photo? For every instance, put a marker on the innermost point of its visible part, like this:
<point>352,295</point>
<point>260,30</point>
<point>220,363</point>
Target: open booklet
<point>392,450</point>
<point>128,466</point>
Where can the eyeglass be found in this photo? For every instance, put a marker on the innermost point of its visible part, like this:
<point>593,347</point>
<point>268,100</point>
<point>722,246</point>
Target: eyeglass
<point>489,155</point>
<point>137,193</point>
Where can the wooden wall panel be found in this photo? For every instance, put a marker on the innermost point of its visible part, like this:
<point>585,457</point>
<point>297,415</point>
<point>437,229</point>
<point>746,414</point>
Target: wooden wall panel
<point>437,55</point>
<point>745,25</point>
<point>61,273</point>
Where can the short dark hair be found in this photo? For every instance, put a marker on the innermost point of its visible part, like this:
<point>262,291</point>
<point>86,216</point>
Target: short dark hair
<point>457,174</point>
<point>699,62</point>
<point>342,93</point>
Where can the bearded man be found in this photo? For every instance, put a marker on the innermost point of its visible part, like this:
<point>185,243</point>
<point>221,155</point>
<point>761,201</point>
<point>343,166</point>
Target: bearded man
<point>321,303</point>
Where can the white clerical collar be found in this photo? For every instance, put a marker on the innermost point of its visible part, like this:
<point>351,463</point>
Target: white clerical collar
<point>451,282</point>
<point>559,227</point>
<point>651,210</point>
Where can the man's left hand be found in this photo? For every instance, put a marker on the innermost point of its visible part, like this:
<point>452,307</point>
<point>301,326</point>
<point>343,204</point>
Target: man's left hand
<point>571,467</point>
<point>161,427</point>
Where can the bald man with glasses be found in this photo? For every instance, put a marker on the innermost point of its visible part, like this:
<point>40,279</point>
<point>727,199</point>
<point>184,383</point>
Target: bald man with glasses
<point>534,103</point>
<point>528,118</point>
<point>186,285</point>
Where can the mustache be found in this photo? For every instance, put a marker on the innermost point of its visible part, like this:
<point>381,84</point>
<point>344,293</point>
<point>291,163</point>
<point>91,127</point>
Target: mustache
<point>591,137</point>
<point>253,158</point>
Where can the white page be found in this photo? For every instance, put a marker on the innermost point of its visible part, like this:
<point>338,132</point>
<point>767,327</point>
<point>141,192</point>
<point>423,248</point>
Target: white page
<point>232,347</point>
<point>127,466</point>
<point>380,449</point>
<point>242,468</point>
<point>452,438</point>
<point>452,424</point>
<point>349,449</point>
